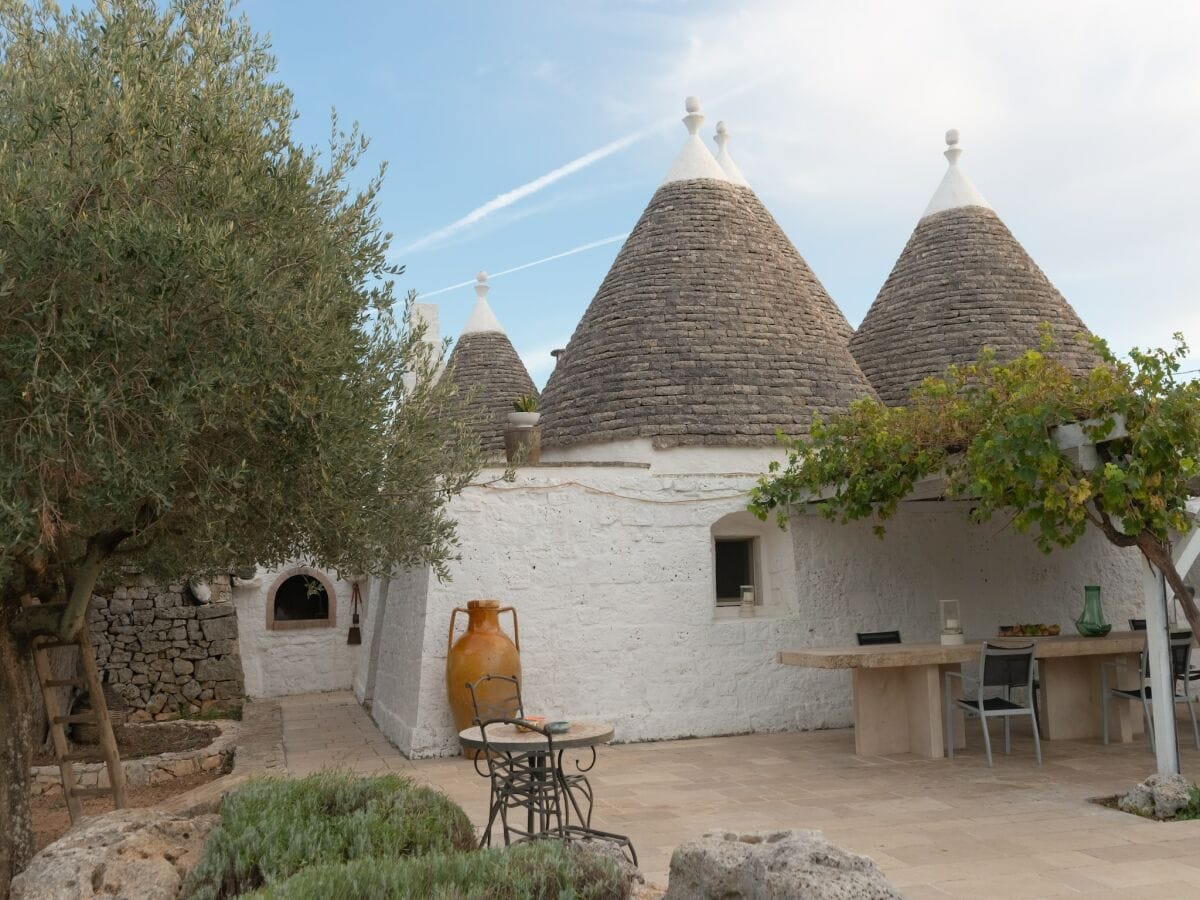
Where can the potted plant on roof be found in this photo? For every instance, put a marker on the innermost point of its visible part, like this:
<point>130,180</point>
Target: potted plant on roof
<point>524,412</point>
<point>522,435</point>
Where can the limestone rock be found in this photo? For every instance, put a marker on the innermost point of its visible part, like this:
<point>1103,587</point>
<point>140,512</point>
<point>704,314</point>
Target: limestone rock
<point>773,864</point>
<point>135,854</point>
<point>1159,797</point>
<point>222,629</point>
<point>614,853</point>
<point>224,669</point>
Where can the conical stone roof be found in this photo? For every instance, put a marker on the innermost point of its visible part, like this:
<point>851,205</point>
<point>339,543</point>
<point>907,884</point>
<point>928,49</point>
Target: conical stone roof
<point>486,365</point>
<point>962,283</point>
<point>708,329</point>
<point>734,174</point>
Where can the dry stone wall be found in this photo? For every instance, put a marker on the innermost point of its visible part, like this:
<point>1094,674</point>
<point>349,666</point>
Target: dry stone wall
<point>162,651</point>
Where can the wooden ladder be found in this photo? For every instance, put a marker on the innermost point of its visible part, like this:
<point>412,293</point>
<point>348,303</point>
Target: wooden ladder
<point>59,719</point>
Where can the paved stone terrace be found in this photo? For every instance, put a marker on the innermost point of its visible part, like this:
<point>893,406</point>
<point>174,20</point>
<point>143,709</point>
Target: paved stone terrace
<point>937,828</point>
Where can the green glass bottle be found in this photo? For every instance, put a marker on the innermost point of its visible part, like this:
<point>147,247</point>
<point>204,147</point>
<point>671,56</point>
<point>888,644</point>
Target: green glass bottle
<point>1091,621</point>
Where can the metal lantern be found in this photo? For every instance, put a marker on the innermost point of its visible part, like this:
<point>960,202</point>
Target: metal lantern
<point>952,632</point>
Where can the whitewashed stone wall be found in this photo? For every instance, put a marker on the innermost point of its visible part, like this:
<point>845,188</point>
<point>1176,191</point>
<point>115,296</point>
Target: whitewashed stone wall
<point>610,569</point>
<point>293,661</point>
<point>389,680</point>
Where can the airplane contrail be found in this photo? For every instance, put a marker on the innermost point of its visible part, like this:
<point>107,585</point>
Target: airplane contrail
<point>508,198</point>
<point>591,245</point>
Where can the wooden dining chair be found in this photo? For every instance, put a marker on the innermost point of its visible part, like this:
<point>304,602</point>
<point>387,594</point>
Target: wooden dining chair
<point>1002,669</point>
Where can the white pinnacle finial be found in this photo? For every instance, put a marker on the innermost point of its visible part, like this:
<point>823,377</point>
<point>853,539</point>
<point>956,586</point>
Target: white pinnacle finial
<point>693,120</point>
<point>728,166</point>
<point>956,189</point>
<point>482,319</point>
<point>722,136</point>
<point>694,161</point>
<point>953,151</point>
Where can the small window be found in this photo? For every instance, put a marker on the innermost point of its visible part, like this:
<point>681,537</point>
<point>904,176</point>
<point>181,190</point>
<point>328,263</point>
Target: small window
<point>301,599</point>
<point>735,567</point>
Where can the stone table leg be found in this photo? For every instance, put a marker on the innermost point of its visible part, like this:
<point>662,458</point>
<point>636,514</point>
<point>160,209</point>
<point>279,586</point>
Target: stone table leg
<point>898,710</point>
<point>956,691</point>
<point>1071,698</point>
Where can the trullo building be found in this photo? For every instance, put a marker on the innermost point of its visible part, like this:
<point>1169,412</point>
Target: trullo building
<point>625,551</point>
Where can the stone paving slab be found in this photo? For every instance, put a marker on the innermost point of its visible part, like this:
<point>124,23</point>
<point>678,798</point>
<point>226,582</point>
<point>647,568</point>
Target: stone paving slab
<point>937,828</point>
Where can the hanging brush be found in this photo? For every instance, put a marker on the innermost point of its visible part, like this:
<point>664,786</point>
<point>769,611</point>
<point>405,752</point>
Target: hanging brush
<point>354,636</point>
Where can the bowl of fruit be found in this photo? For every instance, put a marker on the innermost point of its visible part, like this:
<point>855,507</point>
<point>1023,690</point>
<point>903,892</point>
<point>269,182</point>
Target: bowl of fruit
<point>1033,630</point>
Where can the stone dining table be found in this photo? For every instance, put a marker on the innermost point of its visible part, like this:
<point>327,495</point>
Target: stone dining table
<point>898,688</point>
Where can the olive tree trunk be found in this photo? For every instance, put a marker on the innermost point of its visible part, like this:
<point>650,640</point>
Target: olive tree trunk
<point>17,740</point>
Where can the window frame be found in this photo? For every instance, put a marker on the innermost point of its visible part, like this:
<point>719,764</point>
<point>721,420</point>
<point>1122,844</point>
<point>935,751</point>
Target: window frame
<point>755,569</point>
<point>330,621</point>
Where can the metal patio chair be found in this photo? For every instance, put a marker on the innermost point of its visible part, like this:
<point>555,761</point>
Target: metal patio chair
<point>531,785</point>
<point>496,697</point>
<point>869,638</point>
<point>1140,625</point>
<point>1181,684</point>
<point>1000,668</point>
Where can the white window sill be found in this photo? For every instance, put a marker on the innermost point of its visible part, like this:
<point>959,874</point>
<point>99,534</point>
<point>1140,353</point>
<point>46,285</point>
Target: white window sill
<point>734,613</point>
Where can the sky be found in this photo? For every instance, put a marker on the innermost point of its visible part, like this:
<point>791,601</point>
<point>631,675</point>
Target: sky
<point>519,131</point>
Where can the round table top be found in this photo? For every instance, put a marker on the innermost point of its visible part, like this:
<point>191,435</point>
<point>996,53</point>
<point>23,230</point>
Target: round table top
<point>506,737</point>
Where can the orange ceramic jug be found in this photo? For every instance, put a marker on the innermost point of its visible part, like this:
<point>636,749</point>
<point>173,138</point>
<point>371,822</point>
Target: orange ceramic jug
<point>483,649</point>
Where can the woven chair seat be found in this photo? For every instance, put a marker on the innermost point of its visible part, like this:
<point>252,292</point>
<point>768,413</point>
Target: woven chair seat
<point>993,704</point>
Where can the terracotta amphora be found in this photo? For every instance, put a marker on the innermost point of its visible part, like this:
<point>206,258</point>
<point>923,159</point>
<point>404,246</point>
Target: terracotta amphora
<point>483,649</point>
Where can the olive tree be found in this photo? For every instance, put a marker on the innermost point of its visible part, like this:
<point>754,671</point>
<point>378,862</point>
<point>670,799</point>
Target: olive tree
<point>989,429</point>
<point>199,361</point>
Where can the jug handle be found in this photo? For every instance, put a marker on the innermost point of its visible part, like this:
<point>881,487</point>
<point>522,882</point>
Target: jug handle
<point>516,633</point>
<point>450,639</point>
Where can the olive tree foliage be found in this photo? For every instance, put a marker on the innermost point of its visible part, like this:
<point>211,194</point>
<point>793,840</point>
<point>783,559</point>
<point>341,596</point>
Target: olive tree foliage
<point>199,361</point>
<point>988,429</point>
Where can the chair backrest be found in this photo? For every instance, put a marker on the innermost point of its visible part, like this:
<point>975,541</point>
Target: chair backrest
<point>496,697</point>
<point>1006,666</point>
<point>1181,656</point>
<point>866,638</point>
<point>1137,624</point>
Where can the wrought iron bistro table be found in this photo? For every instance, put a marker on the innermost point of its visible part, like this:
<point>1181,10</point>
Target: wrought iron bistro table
<point>579,736</point>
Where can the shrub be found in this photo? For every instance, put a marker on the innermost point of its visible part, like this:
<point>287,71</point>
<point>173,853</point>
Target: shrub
<point>272,828</point>
<point>546,870</point>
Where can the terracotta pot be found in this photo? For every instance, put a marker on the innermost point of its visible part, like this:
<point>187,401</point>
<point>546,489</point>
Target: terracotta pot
<point>483,649</point>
